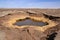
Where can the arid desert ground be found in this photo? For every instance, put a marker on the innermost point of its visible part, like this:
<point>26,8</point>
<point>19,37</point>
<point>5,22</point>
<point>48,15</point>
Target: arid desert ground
<point>12,32</point>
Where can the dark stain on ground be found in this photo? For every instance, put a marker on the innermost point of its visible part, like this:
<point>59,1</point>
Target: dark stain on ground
<point>52,36</point>
<point>28,21</point>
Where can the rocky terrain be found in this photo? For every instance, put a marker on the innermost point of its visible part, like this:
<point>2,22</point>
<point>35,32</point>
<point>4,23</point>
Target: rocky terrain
<point>50,31</point>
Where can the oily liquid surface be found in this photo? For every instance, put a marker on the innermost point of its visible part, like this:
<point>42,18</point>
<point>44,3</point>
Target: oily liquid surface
<point>30,22</point>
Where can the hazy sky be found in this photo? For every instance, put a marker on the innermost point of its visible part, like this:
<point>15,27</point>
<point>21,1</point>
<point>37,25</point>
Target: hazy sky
<point>29,3</point>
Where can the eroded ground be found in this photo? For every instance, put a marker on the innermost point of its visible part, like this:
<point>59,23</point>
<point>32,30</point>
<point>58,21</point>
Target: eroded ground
<point>8,31</point>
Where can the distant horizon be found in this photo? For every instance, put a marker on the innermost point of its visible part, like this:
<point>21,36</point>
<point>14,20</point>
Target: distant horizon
<point>50,4</point>
<point>29,8</point>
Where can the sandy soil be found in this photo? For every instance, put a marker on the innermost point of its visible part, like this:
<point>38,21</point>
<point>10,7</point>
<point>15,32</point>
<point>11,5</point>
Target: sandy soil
<point>28,33</point>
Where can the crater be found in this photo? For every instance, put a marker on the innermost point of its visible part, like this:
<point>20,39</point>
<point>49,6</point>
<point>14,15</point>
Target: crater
<point>31,22</point>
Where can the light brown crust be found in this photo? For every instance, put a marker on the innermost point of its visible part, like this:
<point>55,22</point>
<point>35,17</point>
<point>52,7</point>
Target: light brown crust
<point>9,20</point>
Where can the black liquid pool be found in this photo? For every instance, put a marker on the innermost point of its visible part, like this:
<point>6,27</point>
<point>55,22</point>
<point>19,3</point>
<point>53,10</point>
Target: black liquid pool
<point>30,22</point>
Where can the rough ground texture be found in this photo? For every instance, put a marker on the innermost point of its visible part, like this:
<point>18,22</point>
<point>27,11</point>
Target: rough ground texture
<point>8,31</point>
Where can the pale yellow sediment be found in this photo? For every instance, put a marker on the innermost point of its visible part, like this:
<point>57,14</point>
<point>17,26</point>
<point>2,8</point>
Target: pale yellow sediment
<point>13,19</point>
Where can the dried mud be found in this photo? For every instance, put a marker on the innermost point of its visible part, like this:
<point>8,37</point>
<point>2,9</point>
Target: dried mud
<point>8,31</point>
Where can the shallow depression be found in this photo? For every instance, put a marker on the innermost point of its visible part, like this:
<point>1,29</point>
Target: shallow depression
<point>30,22</point>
